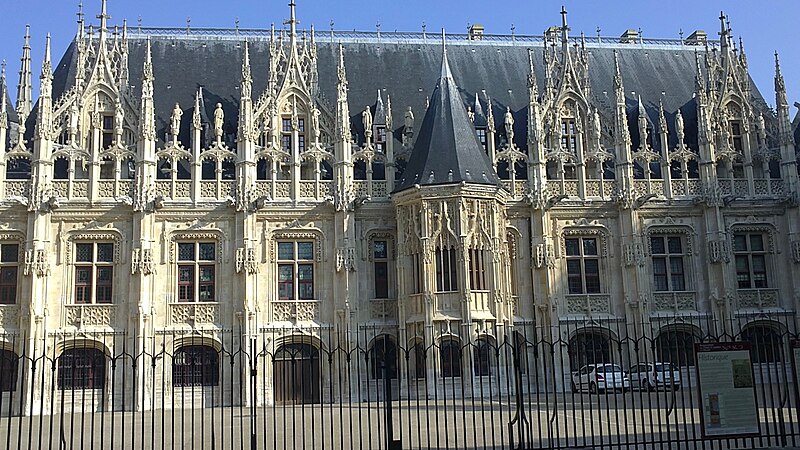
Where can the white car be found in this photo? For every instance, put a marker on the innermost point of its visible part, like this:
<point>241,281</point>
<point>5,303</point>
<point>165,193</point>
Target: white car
<point>651,376</point>
<point>600,377</point>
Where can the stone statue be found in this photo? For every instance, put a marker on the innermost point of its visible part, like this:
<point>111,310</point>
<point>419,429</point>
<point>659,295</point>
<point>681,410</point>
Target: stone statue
<point>119,117</point>
<point>761,128</point>
<point>219,118</point>
<point>73,119</point>
<point>409,121</point>
<point>315,123</point>
<point>596,126</point>
<point>471,114</point>
<point>642,131</point>
<point>509,122</point>
<point>175,120</point>
<point>679,130</point>
<point>366,119</point>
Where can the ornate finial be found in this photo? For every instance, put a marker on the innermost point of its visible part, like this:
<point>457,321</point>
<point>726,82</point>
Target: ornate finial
<point>124,29</point>
<point>47,67</point>
<point>80,18</point>
<point>444,42</point>
<point>564,26</point>
<point>292,22</point>
<point>780,85</point>
<point>103,16</point>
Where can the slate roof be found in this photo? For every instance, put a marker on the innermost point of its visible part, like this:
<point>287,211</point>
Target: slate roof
<point>408,73</point>
<point>447,149</point>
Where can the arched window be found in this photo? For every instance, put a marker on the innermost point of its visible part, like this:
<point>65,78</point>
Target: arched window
<point>419,360</point>
<point>296,374</point>
<point>483,357</point>
<point>81,368</point>
<point>766,341</point>
<point>450,358</point>
<point>195,365</point>
<point>676,346</point>
<point>9,366</point>
<point>383,354</point>
<point>18,169</point>
<point>588,347</point>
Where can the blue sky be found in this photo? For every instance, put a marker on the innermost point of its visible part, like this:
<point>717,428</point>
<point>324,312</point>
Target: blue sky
<point>766,26</point>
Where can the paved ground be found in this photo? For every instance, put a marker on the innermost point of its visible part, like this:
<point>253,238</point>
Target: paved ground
<point>631,421</point>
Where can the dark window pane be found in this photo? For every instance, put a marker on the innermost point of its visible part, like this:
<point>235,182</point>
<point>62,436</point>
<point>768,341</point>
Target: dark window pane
<point>674,243</point>
<point>83,252</point>
<point>379,249</point>
<point>756,243</point>
<point>657,245</point>
<point>186,252</point>
<point>381,279</point>
<point>285,251</point>
<point>590,247</point>
<point>573,247</point>
<point>740,242</point>
<point>105,252</point>
<point>207,251</point>
<point>305,251</point>
<point>9,253</point>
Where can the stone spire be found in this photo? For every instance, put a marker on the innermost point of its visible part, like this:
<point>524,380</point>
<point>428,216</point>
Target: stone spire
<point>780,86</point>
<point>342,107</point>
<point>564,27</point>
<point>247,78</point>
<point>447,149</point>
<point>622,134</point>
<point>148,117</point>
<point>3,109</point>
<point>24,88</point>
<point>45,112</point>
<point>103,16</point>
<point>246,129</point>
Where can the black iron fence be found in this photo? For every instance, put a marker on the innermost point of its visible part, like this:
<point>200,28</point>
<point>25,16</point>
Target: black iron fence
<point>448,385</point>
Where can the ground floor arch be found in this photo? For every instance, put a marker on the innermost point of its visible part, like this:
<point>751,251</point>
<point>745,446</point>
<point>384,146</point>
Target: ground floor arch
<point>296,373</point>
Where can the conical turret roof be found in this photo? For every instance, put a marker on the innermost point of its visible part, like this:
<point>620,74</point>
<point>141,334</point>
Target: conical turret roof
<point>447,149</point>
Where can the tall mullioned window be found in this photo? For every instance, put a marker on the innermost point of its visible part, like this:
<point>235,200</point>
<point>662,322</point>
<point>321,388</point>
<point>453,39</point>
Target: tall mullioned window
<point>9,273</point>
<point>197,271</point>
<point>380,257</point>
<point>668,263</point>
<point>446,270</point>
<point>583,265</point>
<point>94,272</point>
<point>751,260</point>
<point>296,270</point>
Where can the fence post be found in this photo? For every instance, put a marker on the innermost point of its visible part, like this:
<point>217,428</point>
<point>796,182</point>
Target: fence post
<point>391,444</point>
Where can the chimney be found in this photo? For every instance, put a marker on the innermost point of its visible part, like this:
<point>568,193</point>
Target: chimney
<point>476,32</point>
<point>629,37</point>
<point>699,37</point>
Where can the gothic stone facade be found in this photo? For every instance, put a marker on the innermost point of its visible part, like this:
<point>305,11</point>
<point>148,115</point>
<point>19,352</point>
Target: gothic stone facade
<point>173,186</point>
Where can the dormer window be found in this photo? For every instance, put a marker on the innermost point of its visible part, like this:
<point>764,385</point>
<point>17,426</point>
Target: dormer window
<point>380,139</point>
<point>481,132</point>
<point>301,138</point>
<point>108,131</point>
<point>286,135</point>
<point>569,135</point>
<point>737,142</point>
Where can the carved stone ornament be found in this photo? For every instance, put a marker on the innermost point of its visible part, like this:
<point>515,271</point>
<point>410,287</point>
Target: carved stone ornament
<point>544,256</point>
<point>246,261</point>
<point>142,261</point>
<point>796,251</point>
<point>718,251</point>
<point>36,262</point>
<point>634,254</point>
<point>346,259</point>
